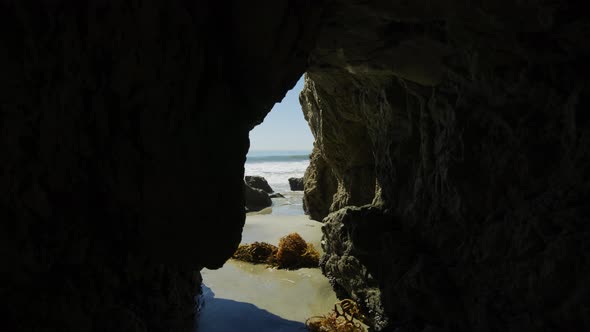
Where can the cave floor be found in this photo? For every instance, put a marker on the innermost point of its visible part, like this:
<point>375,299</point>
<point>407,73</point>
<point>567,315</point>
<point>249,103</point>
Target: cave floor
<point>247,297</point>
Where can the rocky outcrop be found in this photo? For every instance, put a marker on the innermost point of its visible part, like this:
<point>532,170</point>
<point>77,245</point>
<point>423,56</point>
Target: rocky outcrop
<point>256,199</point>
<point>319,186</point>
<point>462,126</point>
<point>296,184</point>
<point>345,157</point>
<point>358,242</point>
<point>259,182</point>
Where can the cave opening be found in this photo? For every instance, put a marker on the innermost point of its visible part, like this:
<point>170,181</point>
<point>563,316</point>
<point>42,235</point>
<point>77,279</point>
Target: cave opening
<point>279,150</point>
<point>277,291</point>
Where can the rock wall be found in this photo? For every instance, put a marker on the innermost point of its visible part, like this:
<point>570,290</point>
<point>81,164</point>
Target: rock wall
<point>462,123</point>
<point>458,135</point>
<point>319,186</point>
<point>342,144</point>
<point>124,129</point>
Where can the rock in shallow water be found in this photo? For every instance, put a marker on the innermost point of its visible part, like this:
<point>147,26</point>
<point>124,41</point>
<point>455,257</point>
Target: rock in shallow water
<point>259,182</point>
<point>256,199</point>
<point>296,184</point>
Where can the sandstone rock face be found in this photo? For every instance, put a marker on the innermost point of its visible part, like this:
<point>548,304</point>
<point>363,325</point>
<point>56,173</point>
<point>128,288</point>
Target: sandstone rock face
<point>463,127</point>
<point>296,184</point>
<point>259,182</point>
<point>256,199</point>
<point>319,187</point>
<point>342,153</point>
<point>110,114</point>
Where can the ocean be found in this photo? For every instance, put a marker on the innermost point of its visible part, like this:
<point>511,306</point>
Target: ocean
<point>277,167</point>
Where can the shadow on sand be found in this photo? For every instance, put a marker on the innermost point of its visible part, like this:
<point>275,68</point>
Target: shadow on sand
<point>223,315</point>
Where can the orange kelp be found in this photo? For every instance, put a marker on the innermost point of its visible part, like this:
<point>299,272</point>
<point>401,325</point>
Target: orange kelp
<point>345,317</point>
<point>292,253</point>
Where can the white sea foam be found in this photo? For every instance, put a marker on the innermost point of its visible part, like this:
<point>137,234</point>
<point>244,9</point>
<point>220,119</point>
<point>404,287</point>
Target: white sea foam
<point>277,174</point>
<point>277,167</point>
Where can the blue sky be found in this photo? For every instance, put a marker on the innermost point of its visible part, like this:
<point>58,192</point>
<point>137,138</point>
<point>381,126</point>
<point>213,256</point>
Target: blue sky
<point>284,128</point>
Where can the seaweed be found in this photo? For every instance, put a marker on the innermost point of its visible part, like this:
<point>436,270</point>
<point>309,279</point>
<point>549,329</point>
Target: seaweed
<point>345,317</point>
<point>292,253</point>
<point>257,252</point>
<point>295,253</point>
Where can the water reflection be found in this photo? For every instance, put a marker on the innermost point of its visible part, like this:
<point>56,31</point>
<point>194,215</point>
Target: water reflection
<point>223,315</point>
<point>290,205</point>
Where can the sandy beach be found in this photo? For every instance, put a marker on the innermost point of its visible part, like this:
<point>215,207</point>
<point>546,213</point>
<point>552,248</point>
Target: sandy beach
<point>259,298</point>
<point>270,228</point>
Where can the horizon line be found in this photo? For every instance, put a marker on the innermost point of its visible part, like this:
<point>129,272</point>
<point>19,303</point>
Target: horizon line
<point>276,150</point>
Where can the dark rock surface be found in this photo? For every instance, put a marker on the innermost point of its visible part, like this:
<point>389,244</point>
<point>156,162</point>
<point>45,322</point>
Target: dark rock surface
<point>110,114</point>
<point>463,124</point>
<point>356,264</point>
<point>258,182</point>
<point>277,195</point>
<point>256,199</point>
<point>296,184</point>
<point>464,127</point>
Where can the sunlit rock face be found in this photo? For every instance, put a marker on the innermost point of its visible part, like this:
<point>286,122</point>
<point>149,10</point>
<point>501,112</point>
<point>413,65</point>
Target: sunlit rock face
<point>458,136</point>
<point>319,186</point>
<point>124,130</point>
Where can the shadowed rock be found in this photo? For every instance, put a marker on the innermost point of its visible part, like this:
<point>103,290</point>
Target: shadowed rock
<point>296,184</point>
<point>256,199</point>
<point>110,114</point>
<point>258,182</point>
<point>462,165</point>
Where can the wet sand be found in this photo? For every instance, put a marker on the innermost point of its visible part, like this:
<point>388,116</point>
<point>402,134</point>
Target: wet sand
<point>246,297</point>
<point>270,228</point>
<point>290,204</point>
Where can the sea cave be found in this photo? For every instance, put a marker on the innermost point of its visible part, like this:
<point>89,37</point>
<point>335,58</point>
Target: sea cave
<point>450,169</point>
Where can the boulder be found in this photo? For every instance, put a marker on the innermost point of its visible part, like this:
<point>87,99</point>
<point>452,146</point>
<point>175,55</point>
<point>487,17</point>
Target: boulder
<point>258,182</point>
<point>296,184</point>
<point>255,199</point>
